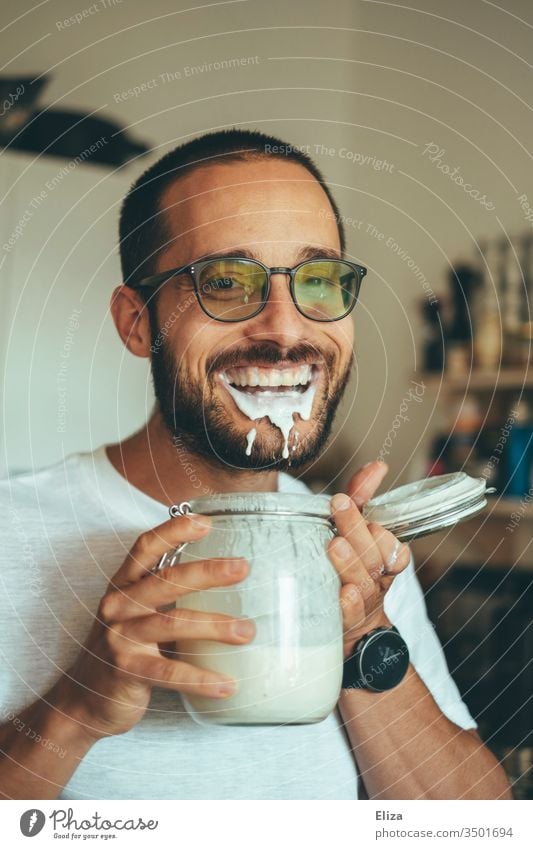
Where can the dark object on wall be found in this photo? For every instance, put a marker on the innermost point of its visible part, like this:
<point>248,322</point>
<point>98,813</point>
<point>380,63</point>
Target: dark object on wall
<point>66,134</point>
<point>464,282</point>
<point>433,344</point>
<point>439,456</point>
<point>18,97</point>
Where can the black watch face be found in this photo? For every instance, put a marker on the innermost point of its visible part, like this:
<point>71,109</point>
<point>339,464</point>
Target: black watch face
<point>383,661</point>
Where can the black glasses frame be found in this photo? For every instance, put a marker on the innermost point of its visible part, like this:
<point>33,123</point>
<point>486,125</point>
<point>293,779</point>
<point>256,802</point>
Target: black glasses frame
<point>195,268</point>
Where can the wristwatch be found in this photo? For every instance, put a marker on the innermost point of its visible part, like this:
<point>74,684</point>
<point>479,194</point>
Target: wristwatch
<point>379,661</point>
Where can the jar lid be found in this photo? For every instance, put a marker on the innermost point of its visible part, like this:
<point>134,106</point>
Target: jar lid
<point>428,505</point>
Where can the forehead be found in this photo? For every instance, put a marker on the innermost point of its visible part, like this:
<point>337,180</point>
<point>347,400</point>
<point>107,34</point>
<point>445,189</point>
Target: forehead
<point>260,203</point>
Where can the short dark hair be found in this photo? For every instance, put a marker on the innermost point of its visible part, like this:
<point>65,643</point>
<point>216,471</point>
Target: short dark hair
<point>143,226</point>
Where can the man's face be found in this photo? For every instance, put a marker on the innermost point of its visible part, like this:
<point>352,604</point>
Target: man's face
<point>207,372</point>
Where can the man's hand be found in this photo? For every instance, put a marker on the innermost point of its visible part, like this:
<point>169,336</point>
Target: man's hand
<point>366,556</point>
<point>109,687</point>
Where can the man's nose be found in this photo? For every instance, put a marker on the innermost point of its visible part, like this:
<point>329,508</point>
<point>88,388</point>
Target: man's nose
<point>279,321</point>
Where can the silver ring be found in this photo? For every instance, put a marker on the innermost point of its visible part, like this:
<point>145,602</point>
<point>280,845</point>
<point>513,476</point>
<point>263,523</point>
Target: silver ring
<point>170,558</point>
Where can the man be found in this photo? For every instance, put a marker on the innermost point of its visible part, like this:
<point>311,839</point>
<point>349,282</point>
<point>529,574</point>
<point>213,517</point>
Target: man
<point>91,705</point>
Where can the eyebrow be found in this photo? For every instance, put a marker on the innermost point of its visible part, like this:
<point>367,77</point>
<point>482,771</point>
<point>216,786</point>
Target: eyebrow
<point>305,253</point>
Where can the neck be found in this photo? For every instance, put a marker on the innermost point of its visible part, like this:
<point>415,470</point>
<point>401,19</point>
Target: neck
<point>168,472</point>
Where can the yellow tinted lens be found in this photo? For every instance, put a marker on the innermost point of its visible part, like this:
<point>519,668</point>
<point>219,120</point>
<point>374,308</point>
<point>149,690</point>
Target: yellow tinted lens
<point>325,290</point>
<point>231,288</point>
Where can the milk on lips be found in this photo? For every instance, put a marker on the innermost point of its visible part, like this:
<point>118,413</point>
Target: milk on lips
<point>256,399</point>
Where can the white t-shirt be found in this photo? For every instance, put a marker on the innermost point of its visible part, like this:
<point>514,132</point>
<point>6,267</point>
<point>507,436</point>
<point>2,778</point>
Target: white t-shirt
<point>65,530</point>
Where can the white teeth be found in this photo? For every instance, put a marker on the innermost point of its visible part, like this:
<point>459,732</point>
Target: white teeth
<point>254,376</point>
<point>305,374</point>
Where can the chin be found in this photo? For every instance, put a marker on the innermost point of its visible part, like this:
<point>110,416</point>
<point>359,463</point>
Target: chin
<point>268,449</point>
<point>260,446</point>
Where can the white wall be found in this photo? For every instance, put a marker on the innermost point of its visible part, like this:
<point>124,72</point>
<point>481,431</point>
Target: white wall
<point>68,382</point>
<point>375,78</point>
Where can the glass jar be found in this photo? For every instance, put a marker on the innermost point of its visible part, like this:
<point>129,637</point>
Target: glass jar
<point>291,671</point>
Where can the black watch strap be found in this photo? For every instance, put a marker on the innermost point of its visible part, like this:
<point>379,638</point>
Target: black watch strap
<point>379,661</point>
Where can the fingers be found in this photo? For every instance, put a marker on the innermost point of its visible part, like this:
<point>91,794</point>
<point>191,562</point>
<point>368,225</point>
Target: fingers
<point>367,558</point>
<point>352,526</point>
<point>351,569</point>
<point>365,482</point>
<point>184,624</point>
<point>395,555</point>
<point>180,676</point>
<point>144,597</point>
<point>150,546</point>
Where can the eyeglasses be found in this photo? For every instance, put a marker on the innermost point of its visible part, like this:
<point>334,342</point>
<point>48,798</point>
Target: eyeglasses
<point>234,289</point>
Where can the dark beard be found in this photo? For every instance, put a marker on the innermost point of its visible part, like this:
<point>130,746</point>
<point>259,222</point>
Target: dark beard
<point>198,422</point>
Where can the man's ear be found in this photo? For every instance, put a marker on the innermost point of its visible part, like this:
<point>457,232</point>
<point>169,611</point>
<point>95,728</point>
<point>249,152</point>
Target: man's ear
<point>132,321</point>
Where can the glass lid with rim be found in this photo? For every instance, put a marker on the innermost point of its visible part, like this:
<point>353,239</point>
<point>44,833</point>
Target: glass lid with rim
<point>260,503</point>
<point>428,505</point>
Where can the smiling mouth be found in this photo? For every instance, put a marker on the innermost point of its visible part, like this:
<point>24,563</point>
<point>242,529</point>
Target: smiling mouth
<point>278,394</point>
<point>255,380</point>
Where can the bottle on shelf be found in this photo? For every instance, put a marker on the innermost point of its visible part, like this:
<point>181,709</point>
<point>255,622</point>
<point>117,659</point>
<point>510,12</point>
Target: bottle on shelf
<point>527,303</point>
<point>438,456</point>
<point>515,287</point>
<point>519,451</point>
<point>487,323</point>
<point>465,423</point>
<point>488,343</point>
<point>464,280</point>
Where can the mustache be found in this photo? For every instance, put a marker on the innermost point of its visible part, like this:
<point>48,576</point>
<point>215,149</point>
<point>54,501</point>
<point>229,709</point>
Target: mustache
<point>261,353</point>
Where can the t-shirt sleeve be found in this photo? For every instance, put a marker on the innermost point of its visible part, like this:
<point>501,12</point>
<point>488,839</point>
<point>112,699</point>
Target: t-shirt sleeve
<point>406,608</point>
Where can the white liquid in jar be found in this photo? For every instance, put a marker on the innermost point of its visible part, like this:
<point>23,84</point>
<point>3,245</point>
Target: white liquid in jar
<point>274,685</point>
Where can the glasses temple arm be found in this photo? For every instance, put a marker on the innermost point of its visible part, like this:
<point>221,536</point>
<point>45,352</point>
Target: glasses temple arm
<point>155,279</point>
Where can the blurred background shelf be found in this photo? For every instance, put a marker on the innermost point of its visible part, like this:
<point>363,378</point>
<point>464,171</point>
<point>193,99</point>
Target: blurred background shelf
<point>478,575</point>
<point>506,378</point>
<point>504,507</point>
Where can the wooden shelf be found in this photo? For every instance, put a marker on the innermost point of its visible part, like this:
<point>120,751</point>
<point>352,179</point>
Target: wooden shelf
<point>506,378</point>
